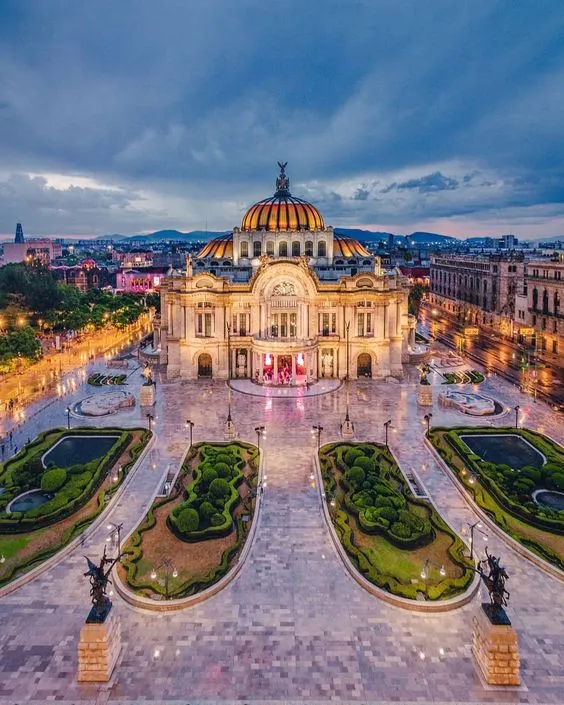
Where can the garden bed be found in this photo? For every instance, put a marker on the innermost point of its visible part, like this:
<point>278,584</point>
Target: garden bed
<point>505,493</point>
<point>397,541</point>
<point>466,377</point>
<point>190,539</point>
<point>98,380</point>
<point>77,495</point>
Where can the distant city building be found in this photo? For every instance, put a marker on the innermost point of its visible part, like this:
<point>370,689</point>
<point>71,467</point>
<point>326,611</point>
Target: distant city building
<point>545,293</point>
<point>19,234</point>
<point>141,281</point>
<point>87,275</point>
<point>480,289</point>
<point>36,249</point>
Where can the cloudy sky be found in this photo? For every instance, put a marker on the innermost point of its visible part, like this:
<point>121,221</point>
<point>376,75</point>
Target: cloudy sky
<point>135,115</point>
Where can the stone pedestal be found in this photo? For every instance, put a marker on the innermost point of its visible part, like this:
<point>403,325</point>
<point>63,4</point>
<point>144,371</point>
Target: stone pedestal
<point>425,395</point>
<point>347,429</point>
<point>98,649</point>
<point>495,649</point>
<point>147,395</point>
<point>229,432</point>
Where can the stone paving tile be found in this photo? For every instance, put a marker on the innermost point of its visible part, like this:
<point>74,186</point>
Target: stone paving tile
<point>293,626</point>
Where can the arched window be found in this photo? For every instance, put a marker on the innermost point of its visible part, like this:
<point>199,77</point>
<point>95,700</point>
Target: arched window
<point>309,248</point>
<point>282,248</point>
<point>270,248</point>
<point>545,301</point>
<point>322,248</point>
<point>296,248</point>
<point>244,249</point>
<point>535,299</point>
<point>257,248</point>
<point>556,303</point>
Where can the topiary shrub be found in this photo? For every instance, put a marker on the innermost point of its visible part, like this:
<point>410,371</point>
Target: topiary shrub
<point>54,479</point>
<point>206,511</point>
<point>388,513</point>
<point>220,488</point>
<point>187,520</point>
<point>355,476</point>
<point>217,519</point>
<point>208,476</point>
<point>367,464</point>
<point>226,458</point>
<point>400,529</point>
<point>557,481</point>
<point>222,469</point>
<point>351,455</point>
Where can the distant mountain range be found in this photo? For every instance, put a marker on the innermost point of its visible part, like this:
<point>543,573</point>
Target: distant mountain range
<point>417,238</point>
<point>164,235</point>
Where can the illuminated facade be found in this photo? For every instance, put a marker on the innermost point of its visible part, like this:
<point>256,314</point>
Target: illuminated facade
<point>283,300</point>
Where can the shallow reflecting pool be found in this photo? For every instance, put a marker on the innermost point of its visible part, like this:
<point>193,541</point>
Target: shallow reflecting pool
<point>78,450</point>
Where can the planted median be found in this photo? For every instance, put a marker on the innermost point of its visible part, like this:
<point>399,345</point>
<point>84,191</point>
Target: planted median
<point>191,539</point>
<point>516,476</point>
<point>395,540</point>
<point>53,489</point>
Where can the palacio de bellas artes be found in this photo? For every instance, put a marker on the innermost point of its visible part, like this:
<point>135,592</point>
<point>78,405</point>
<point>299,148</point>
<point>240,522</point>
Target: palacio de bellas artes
<point>281,369</point>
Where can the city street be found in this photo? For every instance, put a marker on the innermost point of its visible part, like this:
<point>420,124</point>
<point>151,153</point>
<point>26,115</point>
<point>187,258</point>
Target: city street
<point>540,378</point>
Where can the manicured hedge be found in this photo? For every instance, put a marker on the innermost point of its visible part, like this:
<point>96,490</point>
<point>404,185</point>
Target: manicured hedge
<point>383,504</point>
<point>214,485</point>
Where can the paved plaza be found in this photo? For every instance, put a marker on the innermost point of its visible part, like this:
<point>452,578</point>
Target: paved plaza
<point>293,625</point>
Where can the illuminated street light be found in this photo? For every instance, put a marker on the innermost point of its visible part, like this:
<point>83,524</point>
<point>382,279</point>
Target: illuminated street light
<point>259,430</point>
<point>387,425</point>
<point>190,426</point>
<point>317,429</point>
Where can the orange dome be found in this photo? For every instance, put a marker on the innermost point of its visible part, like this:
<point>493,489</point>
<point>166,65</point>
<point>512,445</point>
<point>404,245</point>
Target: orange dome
<point>282,211</point>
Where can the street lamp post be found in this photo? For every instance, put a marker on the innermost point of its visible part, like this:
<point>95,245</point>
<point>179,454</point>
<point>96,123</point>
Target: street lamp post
<point>428,418</point>
<point>387,425</point>
<point>229,431</point>
<point>229,365</point>
<point>68,416</point>
<point>259,430</point>
<point>347,327</point>
<point>473,527</point>
<point>517,409</point>
<point>190,426</point>
<point>426,569</point>
<point>115,533</point>
<point>150,418</point>
<point>347,427</point>
<point>317,429</point>
<point>169,571</point>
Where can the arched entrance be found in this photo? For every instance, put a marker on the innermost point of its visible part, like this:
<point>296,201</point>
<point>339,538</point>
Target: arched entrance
<point>364,365</point>
<point>204,365</point>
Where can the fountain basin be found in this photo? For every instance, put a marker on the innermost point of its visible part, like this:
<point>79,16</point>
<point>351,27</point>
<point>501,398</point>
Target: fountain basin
<point>468,403</point>
<point>104,404</point>
<point>27,501</point>
<point>549,498</point>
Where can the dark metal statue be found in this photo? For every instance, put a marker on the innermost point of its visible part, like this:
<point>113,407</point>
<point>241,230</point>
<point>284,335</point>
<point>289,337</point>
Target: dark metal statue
<point>99,578</point>
<point>494,580</point>
<point>282,182</point>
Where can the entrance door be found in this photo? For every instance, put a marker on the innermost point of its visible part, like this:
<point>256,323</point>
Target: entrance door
<point>364,365</point>
<point>204,365</point>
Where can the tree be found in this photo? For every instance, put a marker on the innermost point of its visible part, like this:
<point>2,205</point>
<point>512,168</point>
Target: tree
<point>416,294</point>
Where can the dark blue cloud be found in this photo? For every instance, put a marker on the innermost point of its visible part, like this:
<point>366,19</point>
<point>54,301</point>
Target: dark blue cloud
<point>201,98</point>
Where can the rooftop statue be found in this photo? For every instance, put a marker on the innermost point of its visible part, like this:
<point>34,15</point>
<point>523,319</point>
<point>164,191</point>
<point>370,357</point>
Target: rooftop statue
<point>282,182</point>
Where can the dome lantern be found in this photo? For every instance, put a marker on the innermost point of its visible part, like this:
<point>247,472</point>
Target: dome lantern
<point>282,212</point>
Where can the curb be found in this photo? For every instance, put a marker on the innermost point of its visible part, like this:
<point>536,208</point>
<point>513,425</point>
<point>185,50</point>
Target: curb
<point>22,580</point>
<point>148,604</point>
<point>428,607</point>
<point>509,540</point>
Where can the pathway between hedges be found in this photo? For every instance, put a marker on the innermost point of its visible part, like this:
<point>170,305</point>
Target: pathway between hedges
<point>293,625</point>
